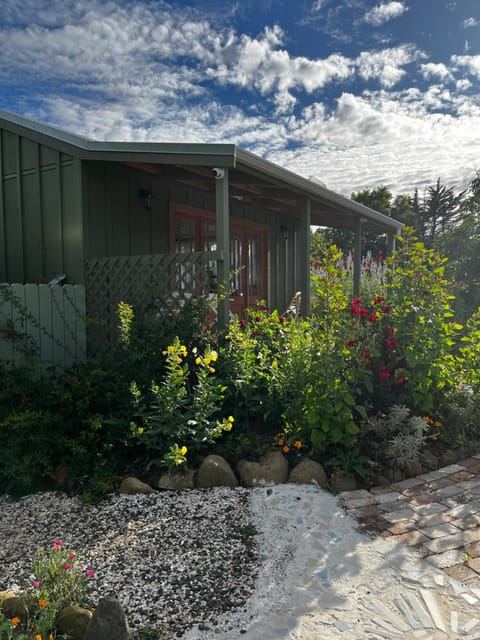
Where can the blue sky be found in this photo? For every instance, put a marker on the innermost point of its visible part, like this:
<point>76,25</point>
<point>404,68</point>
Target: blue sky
<point>355,93</point>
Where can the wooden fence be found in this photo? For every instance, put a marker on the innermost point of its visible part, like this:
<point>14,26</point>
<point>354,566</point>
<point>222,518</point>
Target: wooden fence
<point>44,322</point>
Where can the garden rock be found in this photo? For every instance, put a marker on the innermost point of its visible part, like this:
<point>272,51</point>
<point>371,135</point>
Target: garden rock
<point>108,622</point>
<point>13,605</point>
<point>429,460</point>
<point>177,481</point>
<point>134,485</point>
<point>307,472</point>
<point>73,621</point>
<point>272,468</point>
<point>215,472</point>
<point>413,469</point>
<point>449,457</point>
<point>344,482</point>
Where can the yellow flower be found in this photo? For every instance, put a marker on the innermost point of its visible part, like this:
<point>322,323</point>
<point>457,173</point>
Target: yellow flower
<point>15,621</point>
<point>298,444</point>
<point>275,364</point>
<point>198,360</point>
<point>213,356</point>
<point>228,426</point>
<point>231,419</point>
<point>286,449</point>
<point>140,430</point>
<point>183,450</point>
<point>183,350</point>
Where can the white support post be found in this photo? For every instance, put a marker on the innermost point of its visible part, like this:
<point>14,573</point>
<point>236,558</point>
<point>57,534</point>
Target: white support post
<point>223,246</point>
<point>304,271</point>
<point>357,259</point>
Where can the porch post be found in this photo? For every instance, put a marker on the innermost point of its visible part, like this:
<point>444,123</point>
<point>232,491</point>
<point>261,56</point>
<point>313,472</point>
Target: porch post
<point>223,246</point>
<point>304,255</point>
<point>357,259</point>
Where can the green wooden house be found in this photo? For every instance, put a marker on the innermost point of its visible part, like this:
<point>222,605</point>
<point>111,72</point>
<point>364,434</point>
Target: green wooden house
<point>143,221</point>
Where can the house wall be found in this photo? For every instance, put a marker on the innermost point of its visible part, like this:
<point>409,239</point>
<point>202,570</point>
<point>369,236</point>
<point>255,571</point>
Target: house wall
<point>41,228</point>
<point>117,223</point>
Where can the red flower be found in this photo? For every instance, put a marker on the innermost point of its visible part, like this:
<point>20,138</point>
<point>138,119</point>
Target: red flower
<point>384,373</point>
<point>281,319</point>
<point>362,312</point>
<point>391,343</point>
<point>386,308</point>
<point>390,331</point>
<point>365,355</point>
<point>400,379</point>
<point>373,317</point>
<point>256,332</point>
<point>351,343</point>
<point>258,319</point>
<point>378,300</point>
<point>243,324</point>
<point>356,302</point>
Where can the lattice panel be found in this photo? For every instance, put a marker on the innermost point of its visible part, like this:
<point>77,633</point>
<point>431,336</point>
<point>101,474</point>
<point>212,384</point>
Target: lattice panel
<point>146,282</point>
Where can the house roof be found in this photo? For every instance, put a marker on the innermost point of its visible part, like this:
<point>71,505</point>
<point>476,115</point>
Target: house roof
<point>251,178</point>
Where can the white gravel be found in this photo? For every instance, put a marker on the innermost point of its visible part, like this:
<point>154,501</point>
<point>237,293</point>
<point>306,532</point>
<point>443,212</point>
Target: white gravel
<point>172,559</point>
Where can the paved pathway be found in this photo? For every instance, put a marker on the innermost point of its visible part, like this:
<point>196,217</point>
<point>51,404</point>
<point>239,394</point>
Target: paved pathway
<point>437,514</point>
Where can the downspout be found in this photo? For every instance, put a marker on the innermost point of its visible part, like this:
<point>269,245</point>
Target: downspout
<point>357,258</point>
<point>223,246</point>
<point>304,260</point>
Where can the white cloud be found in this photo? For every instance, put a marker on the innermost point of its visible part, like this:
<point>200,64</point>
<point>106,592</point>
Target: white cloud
<point>384,12</point>
<point>433,70</point>
<point>470,22</point>
<point>470,63</point>
<point>386,65</point>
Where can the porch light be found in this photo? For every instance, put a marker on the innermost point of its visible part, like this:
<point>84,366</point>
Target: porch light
<point>146,196</point>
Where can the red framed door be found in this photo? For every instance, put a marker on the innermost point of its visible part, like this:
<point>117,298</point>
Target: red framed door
<point>248,255</point>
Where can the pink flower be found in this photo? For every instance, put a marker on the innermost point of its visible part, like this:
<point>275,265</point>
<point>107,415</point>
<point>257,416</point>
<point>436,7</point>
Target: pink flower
<point>243,324</point>
<point>391,343</point>
<point>72,555</point>
<point>66,566</point>
<point>57,544</point>
<point>90,573</point>
<point>36,584</point>
<point>400,380</point>
<point>384,373</point>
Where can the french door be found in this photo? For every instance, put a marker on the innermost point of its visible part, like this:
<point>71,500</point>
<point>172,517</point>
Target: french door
<point>248,251</point>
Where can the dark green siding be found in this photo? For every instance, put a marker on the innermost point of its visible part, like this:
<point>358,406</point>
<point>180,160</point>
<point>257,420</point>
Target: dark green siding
<point>41,228</point>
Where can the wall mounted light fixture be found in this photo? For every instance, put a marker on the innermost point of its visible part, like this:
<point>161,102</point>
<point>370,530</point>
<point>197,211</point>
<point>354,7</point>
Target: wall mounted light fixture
<point>146,196</point>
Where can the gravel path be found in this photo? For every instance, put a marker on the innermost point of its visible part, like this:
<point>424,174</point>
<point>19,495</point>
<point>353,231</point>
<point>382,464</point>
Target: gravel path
<point>172,559</point>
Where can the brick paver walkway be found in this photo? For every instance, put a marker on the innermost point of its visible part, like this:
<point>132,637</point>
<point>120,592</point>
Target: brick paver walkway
<point>437,514</point>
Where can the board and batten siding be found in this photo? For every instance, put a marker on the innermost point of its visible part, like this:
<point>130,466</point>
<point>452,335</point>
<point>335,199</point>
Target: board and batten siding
<point>41,225</point>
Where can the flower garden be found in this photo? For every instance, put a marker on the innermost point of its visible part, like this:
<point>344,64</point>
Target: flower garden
<point>367,386</point>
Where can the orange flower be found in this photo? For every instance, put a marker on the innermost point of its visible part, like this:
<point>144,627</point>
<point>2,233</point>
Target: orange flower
<point>15,621</point>
<point>281,442</point>
<point>437,424</point>
<point>286,449</point>
<point>298,444</point>
<point>38,637</point>
<point>41,604</point>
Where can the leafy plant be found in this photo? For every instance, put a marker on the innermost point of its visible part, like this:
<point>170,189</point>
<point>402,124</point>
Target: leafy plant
<point>57,583</point>
<point>181,413</point>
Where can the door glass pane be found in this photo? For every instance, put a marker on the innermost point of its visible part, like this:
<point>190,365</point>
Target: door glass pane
<point>184,235</point>
<point>236,262</point>
<point>253,265</point>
